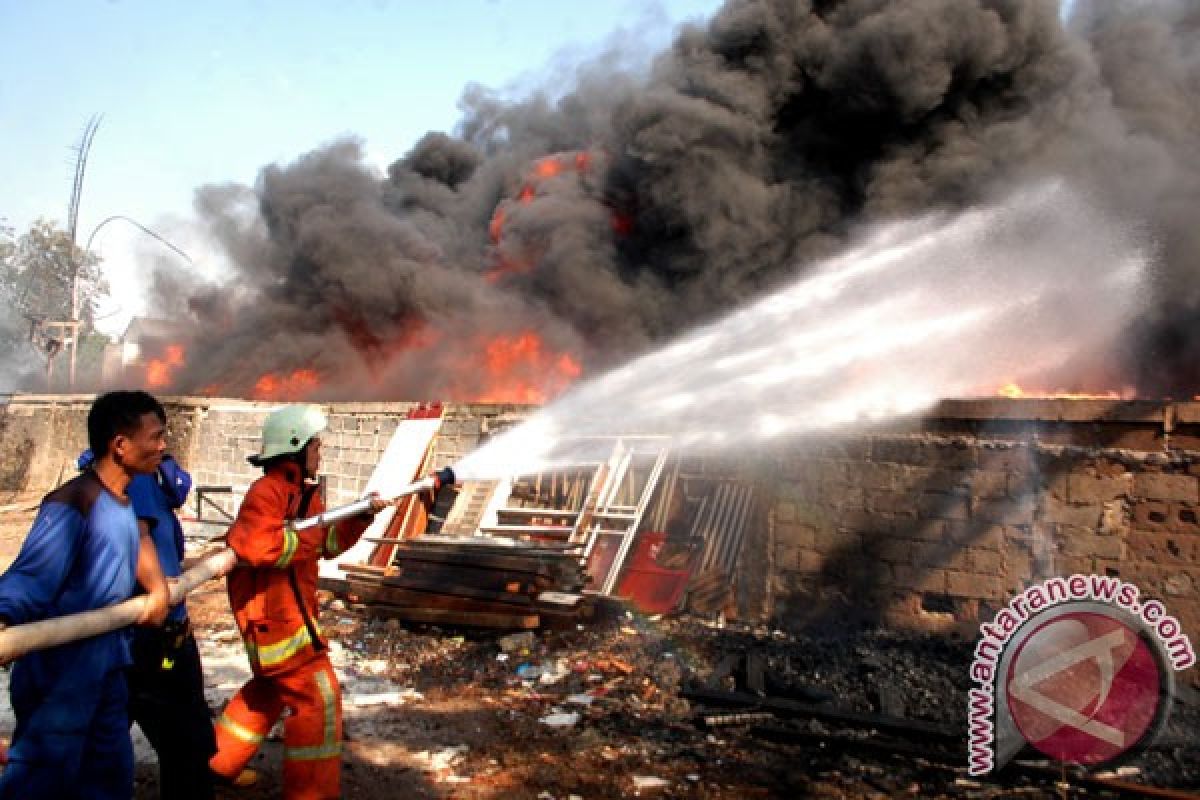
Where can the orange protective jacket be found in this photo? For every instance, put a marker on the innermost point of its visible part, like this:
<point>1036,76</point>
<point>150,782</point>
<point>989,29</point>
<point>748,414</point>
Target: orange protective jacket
<point>273,590</point>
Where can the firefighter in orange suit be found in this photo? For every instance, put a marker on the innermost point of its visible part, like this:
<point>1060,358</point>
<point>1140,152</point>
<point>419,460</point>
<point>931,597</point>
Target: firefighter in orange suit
<point>273,593</point>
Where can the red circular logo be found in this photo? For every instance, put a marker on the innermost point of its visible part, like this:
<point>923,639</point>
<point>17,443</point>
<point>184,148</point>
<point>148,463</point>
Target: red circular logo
<point>1084,688</point>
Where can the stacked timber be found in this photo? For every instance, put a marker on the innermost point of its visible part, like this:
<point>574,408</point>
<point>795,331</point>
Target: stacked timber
<point>475,581</point>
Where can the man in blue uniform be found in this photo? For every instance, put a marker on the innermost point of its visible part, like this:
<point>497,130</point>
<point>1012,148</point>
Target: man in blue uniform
<point>166,682</point>
<point>83,552</point>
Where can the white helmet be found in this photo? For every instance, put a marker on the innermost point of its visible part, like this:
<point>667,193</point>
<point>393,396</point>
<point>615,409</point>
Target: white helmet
<point>286,430</point>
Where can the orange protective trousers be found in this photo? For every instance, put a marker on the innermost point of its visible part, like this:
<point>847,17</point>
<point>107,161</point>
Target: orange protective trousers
<point>312,733</point>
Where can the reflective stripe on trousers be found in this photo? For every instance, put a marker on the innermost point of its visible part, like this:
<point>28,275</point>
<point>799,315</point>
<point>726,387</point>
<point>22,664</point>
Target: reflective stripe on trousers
<point>312,734</point>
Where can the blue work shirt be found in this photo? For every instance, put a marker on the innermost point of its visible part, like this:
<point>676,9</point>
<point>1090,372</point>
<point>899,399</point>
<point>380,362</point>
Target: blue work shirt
<point>151,503</point>
<point>80,554</point>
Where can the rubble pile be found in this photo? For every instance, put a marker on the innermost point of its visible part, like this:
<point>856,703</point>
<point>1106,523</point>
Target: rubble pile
<point>601,710</point>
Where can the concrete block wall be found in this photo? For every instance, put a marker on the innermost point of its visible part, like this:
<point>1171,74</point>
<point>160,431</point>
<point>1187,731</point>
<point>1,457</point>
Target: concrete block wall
<point>40,439</point>
<point>41,436</point>
<point>937,528</point>
<point>227,432</point>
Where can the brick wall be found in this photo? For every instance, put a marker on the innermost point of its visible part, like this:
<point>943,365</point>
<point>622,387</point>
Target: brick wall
<point>41,436</point>
<point>939,526</point>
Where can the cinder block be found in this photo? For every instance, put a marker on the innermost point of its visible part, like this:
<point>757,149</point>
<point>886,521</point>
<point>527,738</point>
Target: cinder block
<point>943,506</point>
<point>1152,515</point>
<point>799,559</point>
<point>1019,567</point>
<point>954,455</point>
<point>969,584</point>
<point>1161,486</point>
<point>791,535</point>
<point>919,578</point>
<point>845,497</point>
<point>1056,484</point>
<point>828,542</point>
<point>988,485</point>
<point>862,522</point>
<point>1092,490</point>
<point>879,476</point>
<point>1164,581</point>
<point>1060,513</point>
<point>784,512</point>
<point>1185,518</point>
<point>1006,459</point>
<point>1004,511</point>
<point>903,503</point>
<point>1164,548</point>
<point>899,450</point>
<point>1087,543</point>
<point>922,530</point>
<point>892,550</point>
<point>933,480</point>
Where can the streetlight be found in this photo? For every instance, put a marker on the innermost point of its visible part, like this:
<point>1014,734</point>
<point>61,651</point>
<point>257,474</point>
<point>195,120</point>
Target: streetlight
<point>87,248</point>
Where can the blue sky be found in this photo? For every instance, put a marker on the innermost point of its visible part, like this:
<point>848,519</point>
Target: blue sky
<point>196,92</point>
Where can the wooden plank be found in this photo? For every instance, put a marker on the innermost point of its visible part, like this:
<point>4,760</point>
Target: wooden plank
<point>536,512</point>
<point>573,575</point>
<point>484,543</point>
<point>494,580</point>
<point>391,587</point>
<point>335,585</point>
<point>543,565</point>
<point>396,469</point>
<point>388,596</point>
<point>556,531</point>
<point>541,573</point>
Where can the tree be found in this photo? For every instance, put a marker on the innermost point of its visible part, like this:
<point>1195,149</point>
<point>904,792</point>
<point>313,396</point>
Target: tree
<point>46,278</point>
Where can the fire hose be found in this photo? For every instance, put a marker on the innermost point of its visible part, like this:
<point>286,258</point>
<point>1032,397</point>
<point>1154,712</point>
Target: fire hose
<point>21,639</point>
<point>443,477</point>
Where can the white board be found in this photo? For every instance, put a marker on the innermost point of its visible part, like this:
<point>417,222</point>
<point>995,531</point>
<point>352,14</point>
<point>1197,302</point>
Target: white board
<point>396,469</point>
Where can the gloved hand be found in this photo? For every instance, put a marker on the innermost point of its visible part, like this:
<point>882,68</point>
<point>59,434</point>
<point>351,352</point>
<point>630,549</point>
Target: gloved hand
<point>377,503</point>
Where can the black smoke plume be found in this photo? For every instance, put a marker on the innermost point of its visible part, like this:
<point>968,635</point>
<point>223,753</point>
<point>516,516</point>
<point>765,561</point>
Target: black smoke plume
<point>755,145</point>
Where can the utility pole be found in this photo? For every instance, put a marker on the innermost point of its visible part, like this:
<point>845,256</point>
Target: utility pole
<point>81,156</point>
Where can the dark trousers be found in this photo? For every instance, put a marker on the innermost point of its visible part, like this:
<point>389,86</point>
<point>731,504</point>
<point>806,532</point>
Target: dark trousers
<point>71,741</point>
<point>169,706</point>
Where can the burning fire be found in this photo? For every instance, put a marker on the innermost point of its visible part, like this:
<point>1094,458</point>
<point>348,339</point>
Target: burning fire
<point>158,370</point>
<point>295,385</point>
<point>520,369</point>
<point>1015,391</point>
<point>378,351</point>
<point>522,257</point>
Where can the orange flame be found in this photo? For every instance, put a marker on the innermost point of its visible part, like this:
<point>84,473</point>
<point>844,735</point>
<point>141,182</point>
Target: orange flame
<point>411,333</point>
<point>520,369</point>
<point>295,385</point>
<point>522,257</point>
<point>547,167</point>
<point>1013,390</point>
<point>158,370</point>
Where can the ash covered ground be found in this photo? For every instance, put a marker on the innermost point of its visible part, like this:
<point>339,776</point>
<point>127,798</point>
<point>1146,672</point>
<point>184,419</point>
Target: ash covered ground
<point>602,711</point>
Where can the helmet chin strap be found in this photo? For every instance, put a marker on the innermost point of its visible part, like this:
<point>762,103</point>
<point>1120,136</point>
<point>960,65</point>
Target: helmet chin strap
<point>301,457</point>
